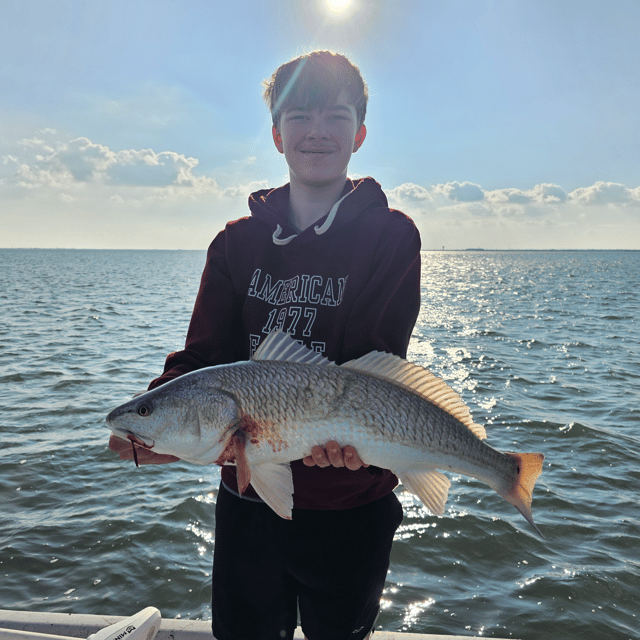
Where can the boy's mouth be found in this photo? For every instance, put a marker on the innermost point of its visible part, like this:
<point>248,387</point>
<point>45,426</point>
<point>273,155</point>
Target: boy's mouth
<point>317,150</point>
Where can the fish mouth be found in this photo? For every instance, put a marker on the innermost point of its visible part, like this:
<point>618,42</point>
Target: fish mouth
<point>140,442</point>
<point>145,443</point>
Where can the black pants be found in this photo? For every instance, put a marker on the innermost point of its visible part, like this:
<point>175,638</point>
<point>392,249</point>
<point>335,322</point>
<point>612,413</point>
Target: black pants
<point>330,564</point>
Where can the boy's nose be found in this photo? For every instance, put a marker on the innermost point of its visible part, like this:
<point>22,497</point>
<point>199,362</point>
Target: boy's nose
<point>317,127</point>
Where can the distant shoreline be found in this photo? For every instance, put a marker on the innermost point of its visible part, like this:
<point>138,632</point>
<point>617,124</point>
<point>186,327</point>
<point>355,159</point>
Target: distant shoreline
<point>475,250</point>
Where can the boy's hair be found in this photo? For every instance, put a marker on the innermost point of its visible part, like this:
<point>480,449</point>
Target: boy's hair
<point>314,80</point>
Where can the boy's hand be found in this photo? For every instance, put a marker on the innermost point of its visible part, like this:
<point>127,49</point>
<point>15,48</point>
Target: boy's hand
<point>332,454</point>
<point>124,448</point>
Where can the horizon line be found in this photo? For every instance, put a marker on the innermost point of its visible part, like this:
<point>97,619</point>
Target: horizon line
<point>441,250</point>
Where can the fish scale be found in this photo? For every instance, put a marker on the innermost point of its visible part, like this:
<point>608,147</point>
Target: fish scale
<point>263,413</point>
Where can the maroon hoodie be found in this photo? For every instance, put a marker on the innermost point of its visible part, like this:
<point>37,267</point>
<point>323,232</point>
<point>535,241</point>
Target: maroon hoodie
<point>345,286</point>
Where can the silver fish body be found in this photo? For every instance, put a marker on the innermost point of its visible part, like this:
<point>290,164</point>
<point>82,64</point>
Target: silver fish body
<point>265,412</point>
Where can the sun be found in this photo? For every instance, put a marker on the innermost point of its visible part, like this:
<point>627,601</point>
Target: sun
<point>339,10</point>
<point>338,6</point>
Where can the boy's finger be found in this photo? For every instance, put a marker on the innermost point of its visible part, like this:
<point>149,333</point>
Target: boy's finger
<point>351,459</point>
<point>319,456</point>
<point>334,452</point>
<point>333,455</point>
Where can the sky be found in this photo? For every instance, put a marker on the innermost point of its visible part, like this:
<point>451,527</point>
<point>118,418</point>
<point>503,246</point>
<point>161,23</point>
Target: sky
<point>501,124</point>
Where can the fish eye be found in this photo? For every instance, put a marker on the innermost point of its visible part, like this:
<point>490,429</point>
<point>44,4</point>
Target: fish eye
<point>144,410</point>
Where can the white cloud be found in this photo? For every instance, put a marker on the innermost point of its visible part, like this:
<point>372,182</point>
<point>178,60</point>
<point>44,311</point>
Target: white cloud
<point>605,193</point>
<point>549,193</point>
<point>409,192</point>
<point>461,215</point>
<point>150,169</point>
<point>66,193</point>
<point>61,192</point>
<point>461,191</point>
<point>46,163</point>
<point>541,193</point>
<point>245,190</point>
<point>509,195</point>
<point>82,158</point>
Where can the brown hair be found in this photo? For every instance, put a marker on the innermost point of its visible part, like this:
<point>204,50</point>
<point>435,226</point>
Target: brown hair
<point>314,80</point>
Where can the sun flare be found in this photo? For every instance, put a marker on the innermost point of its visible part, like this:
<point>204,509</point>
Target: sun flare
<point>338,6</point>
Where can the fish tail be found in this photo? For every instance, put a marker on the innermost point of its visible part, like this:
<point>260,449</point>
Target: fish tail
<point>529,467</point>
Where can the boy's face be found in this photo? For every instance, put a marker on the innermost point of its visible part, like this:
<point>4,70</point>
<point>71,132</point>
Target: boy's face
<point>317,144</point>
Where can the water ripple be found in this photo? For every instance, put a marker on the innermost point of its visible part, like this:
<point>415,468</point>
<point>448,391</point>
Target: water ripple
<point>543,346</point>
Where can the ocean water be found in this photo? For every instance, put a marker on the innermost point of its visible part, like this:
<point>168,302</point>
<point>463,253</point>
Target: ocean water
<point>543,346</point>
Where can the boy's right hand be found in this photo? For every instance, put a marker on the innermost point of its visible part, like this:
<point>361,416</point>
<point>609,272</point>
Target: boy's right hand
<point>334,455</point>
<point>124,448</point>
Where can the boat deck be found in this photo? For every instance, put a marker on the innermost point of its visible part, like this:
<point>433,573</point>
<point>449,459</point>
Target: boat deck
<point>72,625</point>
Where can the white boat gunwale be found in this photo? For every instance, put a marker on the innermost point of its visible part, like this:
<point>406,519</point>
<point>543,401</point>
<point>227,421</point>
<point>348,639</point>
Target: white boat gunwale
<point>74,625</point>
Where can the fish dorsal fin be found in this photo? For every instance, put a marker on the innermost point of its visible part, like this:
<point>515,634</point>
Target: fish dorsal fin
<point>419,380</point>
<point>282,347</point>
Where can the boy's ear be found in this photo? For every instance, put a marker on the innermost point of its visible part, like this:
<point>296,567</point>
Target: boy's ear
<point>277,139</point>
<point>360,136</point>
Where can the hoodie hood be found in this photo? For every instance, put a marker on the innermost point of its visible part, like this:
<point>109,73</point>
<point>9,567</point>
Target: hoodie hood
<point>271,206</point>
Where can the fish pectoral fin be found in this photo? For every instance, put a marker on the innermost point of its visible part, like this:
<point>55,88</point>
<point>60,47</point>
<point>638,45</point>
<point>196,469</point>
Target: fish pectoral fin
<point>431,486</point>
<point>274,484</point>
<point>243,468</point>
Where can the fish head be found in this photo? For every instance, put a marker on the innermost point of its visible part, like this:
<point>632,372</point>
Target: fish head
<point>188,417</point>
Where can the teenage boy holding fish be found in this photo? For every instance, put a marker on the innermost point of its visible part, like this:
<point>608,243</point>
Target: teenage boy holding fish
<point>324,259</point>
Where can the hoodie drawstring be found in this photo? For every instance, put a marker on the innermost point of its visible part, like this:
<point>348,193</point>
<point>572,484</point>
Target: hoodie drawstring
<point>281,241</point>
<point>318,229</point>
<point>330,217</point>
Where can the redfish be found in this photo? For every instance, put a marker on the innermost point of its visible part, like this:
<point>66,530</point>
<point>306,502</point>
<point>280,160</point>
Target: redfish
<point>263,413</point>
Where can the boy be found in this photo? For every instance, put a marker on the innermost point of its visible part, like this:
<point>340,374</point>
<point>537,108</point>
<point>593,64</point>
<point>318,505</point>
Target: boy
<point>324,259</point>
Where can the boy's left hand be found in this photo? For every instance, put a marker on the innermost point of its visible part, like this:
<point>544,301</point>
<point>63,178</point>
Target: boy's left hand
<point>333,455</point>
